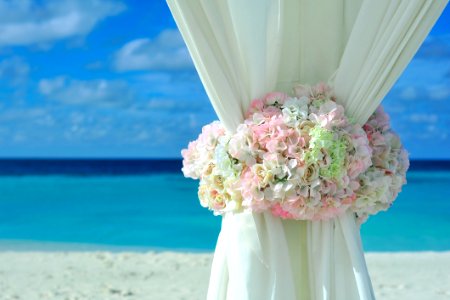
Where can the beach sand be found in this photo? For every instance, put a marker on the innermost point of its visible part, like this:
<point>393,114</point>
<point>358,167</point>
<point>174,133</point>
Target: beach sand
<point>98,275</point>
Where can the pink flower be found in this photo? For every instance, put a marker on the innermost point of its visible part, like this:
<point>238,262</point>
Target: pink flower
<point>253,196</point>
<point>190,155</point>
<point>257,105</point>
<point>271,111</point>
<point>380,184</point>
<point>275,98</point>
<point>321,88</point>
<point>278,211</point>
<point>300,158</point>
<point>302,91</point>
<point>356,167</point>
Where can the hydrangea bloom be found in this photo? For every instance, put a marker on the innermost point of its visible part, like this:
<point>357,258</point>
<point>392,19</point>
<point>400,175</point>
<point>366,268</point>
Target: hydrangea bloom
<point>381,183</point>
<point>299,157</point>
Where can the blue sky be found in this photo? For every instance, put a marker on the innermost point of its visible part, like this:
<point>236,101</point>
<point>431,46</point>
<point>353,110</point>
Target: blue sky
<point>107,78</point>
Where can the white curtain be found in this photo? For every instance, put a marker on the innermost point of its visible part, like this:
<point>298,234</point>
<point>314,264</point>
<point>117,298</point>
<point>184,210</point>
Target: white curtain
<point>245,48</point>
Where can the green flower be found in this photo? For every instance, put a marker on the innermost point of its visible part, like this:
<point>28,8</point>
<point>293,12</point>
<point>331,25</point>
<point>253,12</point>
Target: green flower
<point>321,138</point>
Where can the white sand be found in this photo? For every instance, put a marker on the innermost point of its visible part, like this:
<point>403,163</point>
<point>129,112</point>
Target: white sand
<point>100,275</point>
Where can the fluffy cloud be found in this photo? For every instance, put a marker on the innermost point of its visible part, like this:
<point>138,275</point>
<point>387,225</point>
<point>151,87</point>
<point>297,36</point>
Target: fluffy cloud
<point>165,52</point>
<point>28,22</point>
<point>418,103</point>
<point>427,76</point>
<point>96,92</point>
<point>421,118</point>
<point>66,130</point>
<point>13,114</point>
<point>34,124</point>
<point>14,70</point>
<point>439,92</point>
<point>436,47</point>
<point>408,93</point>
<point>422,92</point>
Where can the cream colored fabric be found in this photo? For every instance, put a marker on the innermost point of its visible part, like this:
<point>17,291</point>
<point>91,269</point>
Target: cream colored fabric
<point>245,48</point>
<point>385,37</point>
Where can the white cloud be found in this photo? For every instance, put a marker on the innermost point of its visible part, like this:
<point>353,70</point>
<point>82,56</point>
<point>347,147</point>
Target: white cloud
<point>28,22</point>
<point>408,93</point>
<point>142,136</point>
<point>96,65</point>
<point>8,115</point>
<point>173,106</point>
<point>193,123</point>
<point>437,47</point>
<point>96,92</point>
<point>19,137</point>
<point>14,70</point>
<point>167,51</point>
<point>421,118</point>
<point>439,92</point>
<point>427,76</point>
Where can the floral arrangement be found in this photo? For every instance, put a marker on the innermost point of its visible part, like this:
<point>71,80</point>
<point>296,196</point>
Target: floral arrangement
<point>381,183</point>
<point>299,157</point>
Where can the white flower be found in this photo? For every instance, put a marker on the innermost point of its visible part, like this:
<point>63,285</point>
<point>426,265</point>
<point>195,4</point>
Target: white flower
<point>239,145</point>
<point>294,110</point>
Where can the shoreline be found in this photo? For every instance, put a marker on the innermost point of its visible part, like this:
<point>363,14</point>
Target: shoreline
<point>19,245</point>
<point>13,245</point>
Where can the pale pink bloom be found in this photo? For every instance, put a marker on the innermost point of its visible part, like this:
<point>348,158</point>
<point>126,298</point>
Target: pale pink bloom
<point>276,146</point>
<point>218,201</point>
<point>271,111</point>
<point>287,161</point>
<point>328,187</point>
<point>329,115</point>
<point>278,211</point>
<point>190,155</point>
<point>253,196</point>
<point>275,97</point>
<point>329,213</point>
<point>257,105</point>
<point>377,139</point>
<point>381,183</point>
<point>355,168</point>
<point>302,90</point>
<point>321,88</point>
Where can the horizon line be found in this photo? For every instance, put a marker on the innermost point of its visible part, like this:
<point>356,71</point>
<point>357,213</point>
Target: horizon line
<point>152,158</point>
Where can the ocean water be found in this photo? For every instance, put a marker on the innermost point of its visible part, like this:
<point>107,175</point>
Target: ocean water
<point>148,204</point>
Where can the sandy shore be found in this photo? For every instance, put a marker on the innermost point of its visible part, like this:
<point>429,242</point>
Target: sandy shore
<point>99,275</point>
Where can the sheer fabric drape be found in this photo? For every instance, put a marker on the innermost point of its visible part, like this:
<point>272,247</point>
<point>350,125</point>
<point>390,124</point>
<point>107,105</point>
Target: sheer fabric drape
<point>243,49</point>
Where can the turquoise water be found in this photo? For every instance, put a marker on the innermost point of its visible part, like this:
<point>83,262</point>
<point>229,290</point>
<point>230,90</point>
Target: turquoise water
<point>162,211</point>
<point>418,220</point>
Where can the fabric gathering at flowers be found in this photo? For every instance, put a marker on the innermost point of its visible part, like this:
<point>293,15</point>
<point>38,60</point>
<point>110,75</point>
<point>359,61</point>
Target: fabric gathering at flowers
<point>299,157</point>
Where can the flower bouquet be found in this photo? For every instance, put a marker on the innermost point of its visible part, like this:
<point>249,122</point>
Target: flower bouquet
<point>299,157</point>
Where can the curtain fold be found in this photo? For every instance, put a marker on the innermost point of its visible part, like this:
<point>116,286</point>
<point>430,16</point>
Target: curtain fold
<point>385,37</point>
<point>336,261</point>
<point>243,49</point>
<point>235,48</point>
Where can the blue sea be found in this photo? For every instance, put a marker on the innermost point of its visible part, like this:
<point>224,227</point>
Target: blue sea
<point>148,204</point>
